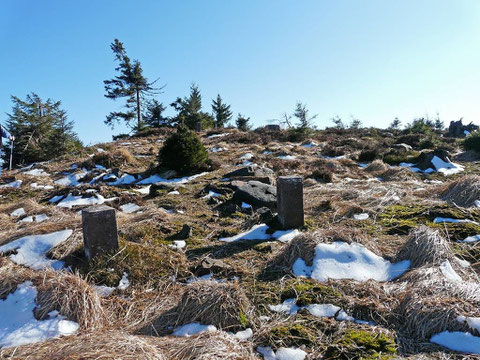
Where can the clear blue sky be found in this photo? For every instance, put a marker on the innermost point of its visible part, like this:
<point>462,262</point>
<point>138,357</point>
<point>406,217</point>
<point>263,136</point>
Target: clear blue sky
<point>374,59</point>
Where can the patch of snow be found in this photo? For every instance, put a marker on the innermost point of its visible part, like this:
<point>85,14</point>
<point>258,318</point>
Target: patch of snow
<point>129,208</point>
<point>31,249</point>
<point>246,156</point>
<point>448,271</point>
<point>470,239</point>
<point>289,306</point>
<point>211,194</point>
<point>340,260</point>
<point>175,192</point>
<point>218,135</point>
<point>323,310</point>
<point>71,200</point>
<point>362,216</point>
<point>281,354</point>
<point>266,152</point>
<point>178,244</point>
<point>100,150</point>
<point>458,341</point>
<point>35,218</point>
<point>217,149</point>
<point>18,323</point>
<point>245,205</point>
<point>156,179</point>
<point>333,157</point>
<point>103,290</point>
<point>446,168</point>
<point>14,184</point>
<point>476,203</point>
<point>56,198</point>
<point>125,179</point>
<point>37,172</point>
<point>144,190</point>
<point>287,157</point>
<point>124,282</point>
<point>310,144</point>
<point>473,322</point>
<point>71,179</point>
<point>438,220</point>
<point>244,334</point>
<point>45,187</point>
<point>259,232</point>
<point>192,329</point>
<point>18,212</point>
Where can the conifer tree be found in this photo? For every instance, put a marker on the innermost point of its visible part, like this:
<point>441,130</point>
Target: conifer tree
<point>395,125</point>
<point>221,112</point>
<point>41,129</point>
<point>189,110</point>
<point>305,121</point>
<point>242,123</point>
<point>129,84</point>
<point>154,114</point>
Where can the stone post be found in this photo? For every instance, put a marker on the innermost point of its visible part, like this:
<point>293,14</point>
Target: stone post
<point>198,126</point>
<point>290,201</point>
<point>99,230</point>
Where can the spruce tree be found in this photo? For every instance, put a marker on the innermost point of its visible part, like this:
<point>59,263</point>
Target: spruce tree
<point>221,112</point>
<point>129,84</point>
<point>242,123</point>
<point>189,110</point>
<point>305,121</point>
<point>41,129</point>
<point>395,125</point>
<point>154,114</point>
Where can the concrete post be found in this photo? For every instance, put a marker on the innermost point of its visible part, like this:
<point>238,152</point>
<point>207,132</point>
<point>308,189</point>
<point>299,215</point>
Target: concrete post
<point>99,230</point>
<point>198,126</point>
<point>290,201</point>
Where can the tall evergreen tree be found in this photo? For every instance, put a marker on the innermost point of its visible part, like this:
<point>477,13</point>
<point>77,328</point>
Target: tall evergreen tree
<point>189,110</point>
<point>395,125</point>
<point>243,123</point>
<point>129,84</point>
<point>305,121</point>
<point>41,129</point>
<point>221,112</point>
<point>154,114</point>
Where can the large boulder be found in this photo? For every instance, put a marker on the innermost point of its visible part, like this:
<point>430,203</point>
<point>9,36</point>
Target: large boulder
<point>255,193</point>
<point>257,173</point>
<point>457,129</point>
<point>424,160</point>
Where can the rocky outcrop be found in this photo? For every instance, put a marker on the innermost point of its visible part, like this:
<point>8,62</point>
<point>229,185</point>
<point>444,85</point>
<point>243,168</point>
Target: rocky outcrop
<point>457,129</point>
<point>255,193</point>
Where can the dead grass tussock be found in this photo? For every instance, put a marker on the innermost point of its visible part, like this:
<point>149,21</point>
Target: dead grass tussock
<point>302,246</point>
<point>376,166</point>
<point>463,192</point>
<point>95,345</point>
<point>224,305</point>
<point>111,159</point>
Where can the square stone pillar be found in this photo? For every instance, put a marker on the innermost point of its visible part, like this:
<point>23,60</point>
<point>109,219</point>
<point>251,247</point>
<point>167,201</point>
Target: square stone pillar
<point>198,126</point>
<point>99,230</point>
<point>290,201</point>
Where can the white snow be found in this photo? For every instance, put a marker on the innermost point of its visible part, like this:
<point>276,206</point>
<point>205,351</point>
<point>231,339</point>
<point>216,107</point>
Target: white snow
<point>473,322</point>
<point>55,198</point>
<point>289,306</point>
<point>144,190</point>
<point>217,149</point>
<point>124,282</point>
<point>178,244</point>
<point>438,220</point>
<point>246,156</point>
<point>193,329</point>
<point>45,187</point>
<point>211,194</point>
<point>458,341</point>
<point>71,179</point>
<point>103,290</point>
<point>287,157</point>
<point>35,218</point>
<point>14,184</point>
<point>125,179</point>
<point>218,135</point>
<point>448,271</point>
<point>340,260</point>
<point>72,200</point>
<point>470,239</point>
<point>266,152</point>
<point>245,205</point>
<point>446,168</point>
<point>129,208</point>
<point>18,212</point>
<point>310,144</point>
<point>323,310</point>
<point>156,179</point>
<point>175,192</point>
<point>244,334</point>
<point>18,325</point>
<point>259,232</point>
<point>37,172</point>
<point>362,216</point>
<point>282,353</point>
<point>31,250</point>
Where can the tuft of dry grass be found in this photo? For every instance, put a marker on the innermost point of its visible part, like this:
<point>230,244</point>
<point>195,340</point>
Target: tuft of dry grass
<point>111,159</point>
<point>425,246</point>
<point>302,246</point>
<point>397,174</point>
<point>376,166</point>
<point>463,192</point>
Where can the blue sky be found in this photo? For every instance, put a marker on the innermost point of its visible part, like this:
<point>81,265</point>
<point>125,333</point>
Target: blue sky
<point>373,59</point>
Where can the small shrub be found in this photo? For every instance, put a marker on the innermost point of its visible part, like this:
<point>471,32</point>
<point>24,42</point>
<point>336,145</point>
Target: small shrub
<point>472,142</point>
<point>323,175</point>
<point>183,152</point>
<point>368,155</point>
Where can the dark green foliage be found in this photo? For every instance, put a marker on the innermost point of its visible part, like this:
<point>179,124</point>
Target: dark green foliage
<point>421,126</point>
<point>129,84</point>
<point>305,121</point>
<point>472,141</point>
<point>355,123</point>
<point>337,121</point>
<point>395,125</point>
<point>189,110</point>
<point>154,114</point>
<point>368,155</point>
<point>428,142</point>
<point>42,130</point>
<point>183,152</point>
<point>221,112</point>
<point>323,175</point>
<point>242,123</point>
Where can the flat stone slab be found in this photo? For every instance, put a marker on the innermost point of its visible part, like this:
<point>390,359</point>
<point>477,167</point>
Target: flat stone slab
<point>256,193</point>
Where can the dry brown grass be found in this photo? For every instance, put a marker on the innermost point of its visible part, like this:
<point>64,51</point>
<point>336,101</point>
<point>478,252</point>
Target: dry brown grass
<point>397,174</point>
<point>463,192</point>
<point>376,166</point>
<point>111,159</point>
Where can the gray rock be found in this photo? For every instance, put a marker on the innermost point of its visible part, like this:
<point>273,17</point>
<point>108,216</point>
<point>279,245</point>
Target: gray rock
<point>402,147</point>
<point>290,201</point>
<point>183,234</point>
<point>99,230</point>
<point>256,193</point>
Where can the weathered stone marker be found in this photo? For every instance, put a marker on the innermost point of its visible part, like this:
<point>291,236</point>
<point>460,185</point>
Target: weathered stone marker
<point>290,201</point>
<point>99,230</point>
<point>198,126</point>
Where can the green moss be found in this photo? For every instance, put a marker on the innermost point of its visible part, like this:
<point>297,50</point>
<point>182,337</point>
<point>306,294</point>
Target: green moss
<point>397,158</point>
<point>362,344</point>
<point>292,335</point>
<point>243,319</point>
<point>309,292</point>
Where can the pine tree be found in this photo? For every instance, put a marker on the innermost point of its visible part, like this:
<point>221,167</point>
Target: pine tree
<point>304,120</point>
<point>189,110</point>
<point>242,123</point>
<point>221,112</point>
<point>395,125</point>
<point>356,123</point>
<point>337,120</point>
<point>438,123</point>
<point>154,114</point>
<point>129,84</point>
<point>42,130</point>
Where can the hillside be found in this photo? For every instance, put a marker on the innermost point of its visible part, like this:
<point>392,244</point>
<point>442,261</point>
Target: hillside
<point>386,265</point>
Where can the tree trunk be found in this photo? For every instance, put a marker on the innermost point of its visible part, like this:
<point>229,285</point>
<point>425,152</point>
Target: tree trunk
<point>139,112</point>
